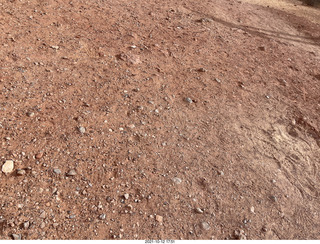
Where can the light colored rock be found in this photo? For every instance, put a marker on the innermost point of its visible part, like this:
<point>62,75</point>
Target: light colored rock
<point>8,166</point>
<point>16,237</point>
<point>177,180</point>
<point>26,225</point>
<point>57,171</point>
<point>21,172</point>
<point>199,210</point>
<point>82,129</point>
<point>159,218</point>
<point>205,226</point>
<point>71,172</point>
<point>43,215</point>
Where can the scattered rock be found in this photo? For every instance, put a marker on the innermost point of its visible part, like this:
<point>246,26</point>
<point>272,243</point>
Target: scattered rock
<point>57,171</point>
<point>55,225</point>
<point>72,216</point>
<point>252,209</point>
<point>188,100</point>
<point>55,47</point>
<point>220,173</point>
<point>205,226</point>
<point>126,196</point>
<point>177,180</point>
<point>42,225</point>
<point>26,225</point>
<point>43,215</point>
<point>274,198</point>
<point>82,130</point>
<point>102,216</point>
<point>240,235</point>
<point>8,166</point>
<point>16,236</point>
<point>30,114</point>
<point>205,20</point>
<point>39,155</point>
<point>159,218</point>
<point>71,172</point>
<point>21,172</point>
<point>262,48</point>
<point>199,210</point>
<point>202,70</point>
<point>217,80</point>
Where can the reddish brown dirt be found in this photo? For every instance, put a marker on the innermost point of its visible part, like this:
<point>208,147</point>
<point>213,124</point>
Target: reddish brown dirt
<point>246,149</point>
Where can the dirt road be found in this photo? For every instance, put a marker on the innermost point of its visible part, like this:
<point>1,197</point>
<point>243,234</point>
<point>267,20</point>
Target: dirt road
<point>159,119</point>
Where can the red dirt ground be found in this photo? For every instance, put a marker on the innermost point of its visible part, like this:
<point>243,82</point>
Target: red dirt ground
<point>206,113</point>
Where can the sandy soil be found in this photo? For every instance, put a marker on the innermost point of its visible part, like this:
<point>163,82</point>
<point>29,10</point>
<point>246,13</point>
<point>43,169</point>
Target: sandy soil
<point>151,119</point>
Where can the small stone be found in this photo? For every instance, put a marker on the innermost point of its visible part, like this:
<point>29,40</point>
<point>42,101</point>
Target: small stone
<point>239,235</point>
<point>159,218</point>
<point>21,172</point>
<point>129,207</point>
<point>71,172</point>
<point>39,155</point>
<point>20,206</point>
<point>220,173</point>
<point>102,216</point>
<point>205,226</point>
<point>26,225</point>
<point>252,209</point>
<point>188,100</point>
<point>82,130</point>
<point>42,225</point>
<point>55,47</point>
<point>30,114</point>
<point>126,196</point>
<point>202,70</point>
<point>43,215</point>
<point>131,126</point>
<point>177,180</point>
<point>72,216</point>
<point>8,166</point>
<point>57,171</point>
<point>217,80</point>
<point>55,225</point>
<point>262,48</point>
<point>274,198</point>
<point>199,210</point>
<point>16,236</point>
